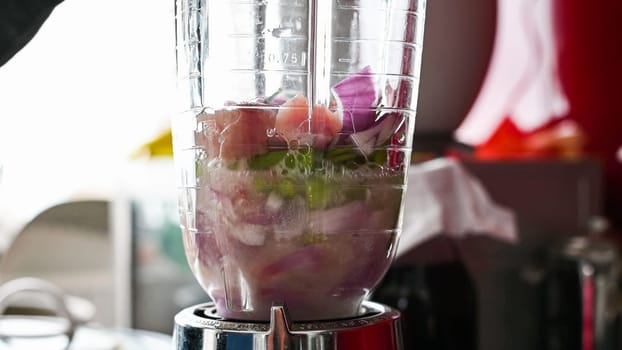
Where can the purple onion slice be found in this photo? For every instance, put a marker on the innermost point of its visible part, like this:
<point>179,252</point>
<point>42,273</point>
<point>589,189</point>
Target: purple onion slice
<point>356,101</point>
<point>368,140</point>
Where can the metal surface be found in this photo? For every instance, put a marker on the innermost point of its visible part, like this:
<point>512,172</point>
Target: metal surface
<point>199,328</point>
<point>584,295</point>
<point>54,320</point>
<point>66,324</point>
<point>70,312</point>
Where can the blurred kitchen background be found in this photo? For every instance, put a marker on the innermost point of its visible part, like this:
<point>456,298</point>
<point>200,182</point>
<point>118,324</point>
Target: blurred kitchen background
<point>520,102</point>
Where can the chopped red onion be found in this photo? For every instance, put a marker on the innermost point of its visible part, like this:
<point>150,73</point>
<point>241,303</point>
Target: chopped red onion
<point>356,101</point>
<point>304,258</point>
<point>337,220</point>
<point>369,139</point>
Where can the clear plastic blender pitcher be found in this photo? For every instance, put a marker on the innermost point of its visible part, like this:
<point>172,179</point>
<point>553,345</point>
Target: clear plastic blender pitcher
<point>292,147</point>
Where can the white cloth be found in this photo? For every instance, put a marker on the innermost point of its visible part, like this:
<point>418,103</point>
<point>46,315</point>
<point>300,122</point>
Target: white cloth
<point>522,81</point>
<point>443,198</point>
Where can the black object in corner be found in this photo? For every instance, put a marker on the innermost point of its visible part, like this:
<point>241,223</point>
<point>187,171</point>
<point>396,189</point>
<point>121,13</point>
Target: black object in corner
<point>19,22</point>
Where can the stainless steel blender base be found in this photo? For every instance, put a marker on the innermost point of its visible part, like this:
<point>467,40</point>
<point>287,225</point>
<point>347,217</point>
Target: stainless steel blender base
<point>200,328</point>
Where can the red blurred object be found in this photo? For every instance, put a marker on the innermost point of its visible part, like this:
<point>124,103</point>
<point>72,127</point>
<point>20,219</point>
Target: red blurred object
<point>508,142</point>
<point>587,314</point>
<point>559,139</point>
<point>589,53</point>
<point>383,335</point>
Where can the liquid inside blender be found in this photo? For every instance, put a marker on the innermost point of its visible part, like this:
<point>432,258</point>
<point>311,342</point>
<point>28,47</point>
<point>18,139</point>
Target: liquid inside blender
<point>292,212</point>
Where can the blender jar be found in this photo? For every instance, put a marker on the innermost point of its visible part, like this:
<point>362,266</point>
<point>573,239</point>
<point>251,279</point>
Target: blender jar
<point>292,146</point>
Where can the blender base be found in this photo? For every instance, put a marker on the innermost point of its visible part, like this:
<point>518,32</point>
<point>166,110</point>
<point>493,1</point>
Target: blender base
<point>200,328</point>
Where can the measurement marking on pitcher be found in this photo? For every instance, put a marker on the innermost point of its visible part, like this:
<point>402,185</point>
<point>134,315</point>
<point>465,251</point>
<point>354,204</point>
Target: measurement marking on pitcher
<point>296,58</point>
<point>346,60</point>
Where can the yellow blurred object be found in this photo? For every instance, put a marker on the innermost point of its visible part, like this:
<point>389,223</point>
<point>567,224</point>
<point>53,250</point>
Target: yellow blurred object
<point>161,146</point>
